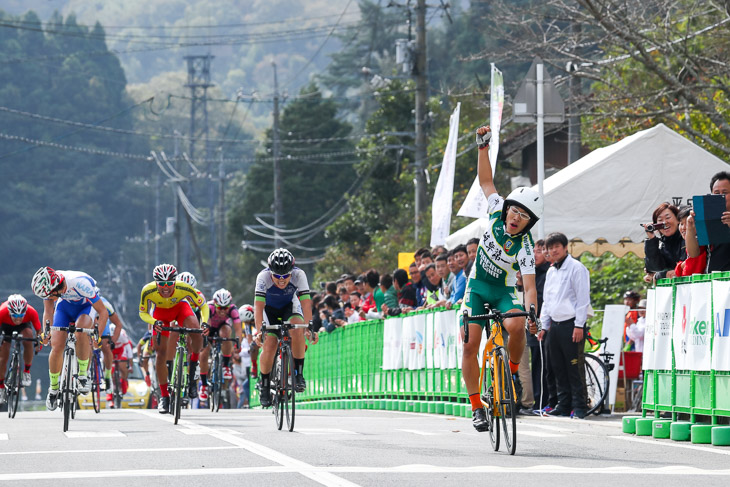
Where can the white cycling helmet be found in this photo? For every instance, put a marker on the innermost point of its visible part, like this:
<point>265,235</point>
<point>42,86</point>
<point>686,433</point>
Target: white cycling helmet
<point>246,312</point>
<point>529,200</point>
<point>188,278</point>
<point>281,261</point>
<point>17,305</point>
<point>164,272</point>
<point>45,281</point>
<point>222,298</point>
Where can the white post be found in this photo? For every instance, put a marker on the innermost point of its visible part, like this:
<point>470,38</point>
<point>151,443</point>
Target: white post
<point>540,146</point>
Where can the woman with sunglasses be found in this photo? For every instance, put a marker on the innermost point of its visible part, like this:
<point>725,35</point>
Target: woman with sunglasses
<point>223,316</point>
<point>166,299</point>
<point>505,249</point>
<point>17,315</point>
<point>282,292</point>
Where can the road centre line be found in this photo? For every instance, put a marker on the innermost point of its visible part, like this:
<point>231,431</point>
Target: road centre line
<point>321,476</point>
<point>329,470</point>
<point>121,450</point>
<point>673,444</point>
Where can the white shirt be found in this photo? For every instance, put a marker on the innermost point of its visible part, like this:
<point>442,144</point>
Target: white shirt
<point>636,333</point>
<point>567,294</point>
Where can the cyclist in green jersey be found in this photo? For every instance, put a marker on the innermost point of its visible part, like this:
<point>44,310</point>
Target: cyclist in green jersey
<point>505,249</point>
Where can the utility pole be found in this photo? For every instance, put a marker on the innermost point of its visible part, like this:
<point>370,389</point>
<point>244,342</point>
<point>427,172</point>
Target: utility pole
<point>421,75</point>
<point>277,163</point>
<point>222,216</point>
<point>199,82</point>
<point>178,211</point>
<point>157,218</point>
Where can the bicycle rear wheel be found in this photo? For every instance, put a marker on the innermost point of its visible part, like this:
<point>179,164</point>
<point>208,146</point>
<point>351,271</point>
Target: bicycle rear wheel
<point>277,385</point>
<point>507,410</point>
<point>596,379</point>
<point>13,381</point>
<point>117,388</point>
<point>66,387</point>
<point>289,391</point>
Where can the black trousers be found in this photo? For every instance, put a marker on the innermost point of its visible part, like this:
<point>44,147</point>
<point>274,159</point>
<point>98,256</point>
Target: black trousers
<point>568,362</point>
<point>543,377</point>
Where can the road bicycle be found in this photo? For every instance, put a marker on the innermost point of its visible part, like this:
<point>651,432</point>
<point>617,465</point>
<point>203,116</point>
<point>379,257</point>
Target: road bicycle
<point>96,374</point>
<point>218,392</point>
<point>68,380</point>
<point>497,391</point>
<point>179,385</point>
<point>14,375</point>
<point>117,393</point>
<point>596,373</point>
<point>282,375</point>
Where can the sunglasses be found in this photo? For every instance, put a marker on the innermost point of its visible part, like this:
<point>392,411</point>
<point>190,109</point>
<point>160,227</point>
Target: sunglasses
<point>165,283</point>
<point>515,211</point>
<point>280,276</point>
<point>13,315</point>
<point>221,307</point>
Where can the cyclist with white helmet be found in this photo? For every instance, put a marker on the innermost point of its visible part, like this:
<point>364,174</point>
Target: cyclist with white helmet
<point>249,328</point>
<point>282,292</point>
<point>223,315</point>
<point>17,315</point>
<point>166,299</point>
<point>122,355</point>
<point>68,297</point>
<point>505,249</point>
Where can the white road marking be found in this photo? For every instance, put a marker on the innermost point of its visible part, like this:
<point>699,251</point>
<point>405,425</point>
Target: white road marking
<point>673,444</point>
<point>95,434</point>
<point>188,431</point>
<point>3,436</point>
<point>320,472</point>
<point>545,426</point>
<point>420,432</point>
<point>325,431</point>
<point>120,450</point>
<point>538,434</point>
<point>321,476</point>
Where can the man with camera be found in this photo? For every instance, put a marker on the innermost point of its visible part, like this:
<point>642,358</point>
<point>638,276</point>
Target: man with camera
<point>664,245</point>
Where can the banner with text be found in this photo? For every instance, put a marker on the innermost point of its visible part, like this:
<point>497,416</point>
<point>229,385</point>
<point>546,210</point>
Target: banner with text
<point>721,340</point>
<point>663,330</point>
<point>442,197</point>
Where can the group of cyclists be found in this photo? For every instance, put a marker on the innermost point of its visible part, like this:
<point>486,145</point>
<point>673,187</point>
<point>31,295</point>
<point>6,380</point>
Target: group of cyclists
<point>282,293</point>
<point>171,298</point>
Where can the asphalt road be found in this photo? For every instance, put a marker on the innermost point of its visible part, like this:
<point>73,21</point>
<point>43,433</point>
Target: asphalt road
<point>333,448</point>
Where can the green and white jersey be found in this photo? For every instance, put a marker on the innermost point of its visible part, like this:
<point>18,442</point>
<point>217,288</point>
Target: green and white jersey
<point>500,256</point>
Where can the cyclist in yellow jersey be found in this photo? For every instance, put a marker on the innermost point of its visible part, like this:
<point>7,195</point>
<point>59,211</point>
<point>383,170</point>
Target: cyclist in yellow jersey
<point>166,300</point>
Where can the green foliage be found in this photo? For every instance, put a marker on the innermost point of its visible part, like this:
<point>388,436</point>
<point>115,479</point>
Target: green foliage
<point>611,277</point>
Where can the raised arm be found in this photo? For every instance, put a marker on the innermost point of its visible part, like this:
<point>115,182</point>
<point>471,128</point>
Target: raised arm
<point>484,167</point>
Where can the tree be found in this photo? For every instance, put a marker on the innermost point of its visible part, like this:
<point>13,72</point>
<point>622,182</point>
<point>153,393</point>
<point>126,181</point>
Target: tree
<point>640,63</point>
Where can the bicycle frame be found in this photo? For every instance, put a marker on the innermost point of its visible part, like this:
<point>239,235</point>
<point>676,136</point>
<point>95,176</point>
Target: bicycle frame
<point>15,372</point>
<point>179,375</point>
<point>216,372</point>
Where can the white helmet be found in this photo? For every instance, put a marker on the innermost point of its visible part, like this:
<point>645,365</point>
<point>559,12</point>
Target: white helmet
<point>17,305</point>
<point>529,200</point>
<point>246,312</point>
<point>222,298</point>
<point>45,281</point>
<point>188,278</point>
<point>164,272</point>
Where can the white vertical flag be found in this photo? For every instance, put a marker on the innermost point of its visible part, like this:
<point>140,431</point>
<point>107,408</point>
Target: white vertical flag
<point>442,197</point>
<point>475,204</point>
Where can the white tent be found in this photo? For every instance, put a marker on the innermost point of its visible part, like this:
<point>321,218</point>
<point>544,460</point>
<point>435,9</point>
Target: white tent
<point>599,201</point>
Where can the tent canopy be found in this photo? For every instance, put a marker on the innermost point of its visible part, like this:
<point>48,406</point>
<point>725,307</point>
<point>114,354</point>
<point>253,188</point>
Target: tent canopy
<point>601,199</point>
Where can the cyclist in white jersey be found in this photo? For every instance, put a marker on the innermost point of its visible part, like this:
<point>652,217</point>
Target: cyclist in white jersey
<point>68,297</point>
<point>282,292</point>
<point>505,249</point>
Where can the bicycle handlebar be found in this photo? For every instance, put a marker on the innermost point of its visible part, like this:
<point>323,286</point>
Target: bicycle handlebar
<point>492,314</point>
<point>286,325</point>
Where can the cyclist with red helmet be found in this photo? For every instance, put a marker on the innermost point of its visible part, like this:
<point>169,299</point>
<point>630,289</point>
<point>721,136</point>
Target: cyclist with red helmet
<point>68,297</point>
<point>17,315</point>
<point>166,299</point>
<point>282,292</point>
<point>223,316</point>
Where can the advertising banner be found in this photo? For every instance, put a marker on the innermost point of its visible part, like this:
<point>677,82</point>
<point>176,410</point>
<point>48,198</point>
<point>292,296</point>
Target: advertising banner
<point>663,328</point>
<point>682,306</point>
<point>647,359</point>
<point>721,313</point>
<point>392,337</point>
<point>698,333</point>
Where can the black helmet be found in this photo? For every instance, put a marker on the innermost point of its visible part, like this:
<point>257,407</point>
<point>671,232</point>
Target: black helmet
<point>281,261</point>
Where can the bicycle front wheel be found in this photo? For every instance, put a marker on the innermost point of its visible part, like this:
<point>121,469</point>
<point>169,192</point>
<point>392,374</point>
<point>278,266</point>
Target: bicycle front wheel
<point>289,389</point>
<point>277,385</point>
<point>178,388</point>
<point>13,384</point>
<point>507,410</point>
<point>95,382</point>
<point>67,388</point>
<point>596,379</point>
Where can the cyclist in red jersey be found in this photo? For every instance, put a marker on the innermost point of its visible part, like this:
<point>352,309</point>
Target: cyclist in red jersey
<point>17,315</point>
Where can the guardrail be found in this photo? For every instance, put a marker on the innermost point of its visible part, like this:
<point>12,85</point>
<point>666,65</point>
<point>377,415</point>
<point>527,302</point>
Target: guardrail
<point>406,363</point>
<point>686,360</point>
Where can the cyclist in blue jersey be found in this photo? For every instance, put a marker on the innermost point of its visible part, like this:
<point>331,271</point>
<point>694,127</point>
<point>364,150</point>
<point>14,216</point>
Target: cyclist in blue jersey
<point>282,292</point>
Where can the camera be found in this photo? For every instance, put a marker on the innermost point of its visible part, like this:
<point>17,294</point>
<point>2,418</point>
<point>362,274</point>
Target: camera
<point>652,227</point>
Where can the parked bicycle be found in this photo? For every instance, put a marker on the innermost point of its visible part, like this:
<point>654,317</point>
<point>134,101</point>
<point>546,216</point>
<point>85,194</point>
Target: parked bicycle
<point>596,373</point>
<point>497,390</point>
<point>282,375</point>
<point>218,392</point>
<point>179,385</point>
<point>14,375</point>
<point>68,384</point>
